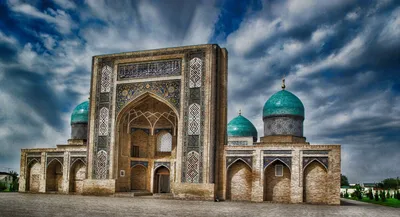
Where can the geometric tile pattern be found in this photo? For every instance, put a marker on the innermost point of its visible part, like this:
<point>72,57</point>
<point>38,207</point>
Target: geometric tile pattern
<point>277,152</point>
<point>196,65</point>
<point>283,126</point>
<point>193,167</point>
<point>237,143</point>
<point>168,90</point>
<point>143,163</point>
<point>103,122</point>
<point>76,159</point>
<point>149,69</point>
<point>246,159</point>
<point>285,160</point>
<point>315,152</point>
<point>101,165</point>
<point>51,159</point>
<point>159,164</point>
<point>105,79</point>
<point>194,119</point>
<point>30,160</point>
<point>323,160</point>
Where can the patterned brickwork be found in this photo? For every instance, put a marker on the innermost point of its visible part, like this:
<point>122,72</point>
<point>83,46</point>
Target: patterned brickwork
<point>192,164</point>
<point>323,160</point>
<point>283,126</point>
<point>246,159</point>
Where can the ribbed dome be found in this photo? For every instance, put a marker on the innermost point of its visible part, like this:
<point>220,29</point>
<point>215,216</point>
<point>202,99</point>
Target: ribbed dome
<point>242,127</point>
<point>80,114</point>
<point>283,103</point>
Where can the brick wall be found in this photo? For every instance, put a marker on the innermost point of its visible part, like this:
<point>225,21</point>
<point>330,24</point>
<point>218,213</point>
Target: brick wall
<point>34,176</point>
<point>138,178</point>
<point>277,188</point>
<point>239,182</point>
<point>315,183</point>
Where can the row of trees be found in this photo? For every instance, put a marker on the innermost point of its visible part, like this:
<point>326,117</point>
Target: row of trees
<point>379,195</point>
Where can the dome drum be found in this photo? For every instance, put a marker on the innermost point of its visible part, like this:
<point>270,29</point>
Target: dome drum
<point>283,125</point>
<point>79,131</point>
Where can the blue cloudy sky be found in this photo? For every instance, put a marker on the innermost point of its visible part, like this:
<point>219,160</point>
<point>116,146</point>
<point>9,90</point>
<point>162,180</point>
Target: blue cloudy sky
<point>340,57</point>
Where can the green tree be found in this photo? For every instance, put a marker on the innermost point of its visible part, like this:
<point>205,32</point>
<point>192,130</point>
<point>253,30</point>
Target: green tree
<point>376,195</point>
<point>390,183</point>
<point>343,180</point>
<point>370,194</point>
<point>383,196</point>
<point>14,184</point>
<point>388,194</point>
<point>346,195</point>
<point>358,192</point>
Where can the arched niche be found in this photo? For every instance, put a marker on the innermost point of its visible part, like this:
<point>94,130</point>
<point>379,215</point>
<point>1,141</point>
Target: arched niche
<point>54,176</point>
<point>277,182</point>
<point>239,181</point>
<point>315,183</point>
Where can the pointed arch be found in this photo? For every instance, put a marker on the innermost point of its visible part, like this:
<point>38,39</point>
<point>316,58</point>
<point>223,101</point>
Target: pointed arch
<point>138,177</point>
<point>281,161</point>
<point>161,179</point>
<point>315,160</point>
<point>239,159</point>
<point>239,181</point>
<point>54,159</point>
<point>315,179</point>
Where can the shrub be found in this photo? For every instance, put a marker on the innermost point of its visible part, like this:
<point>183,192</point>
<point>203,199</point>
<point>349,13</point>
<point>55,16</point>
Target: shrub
<point>3,186</point>
<point>388,195</point>
<point>398,195</point>
<point>341,194</point>
<point>383,196</point>
<point>376,195</point>
<point>346,195</point>
<point>370,194</point>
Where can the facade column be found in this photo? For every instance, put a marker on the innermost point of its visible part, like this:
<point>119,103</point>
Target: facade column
<point>23,172</point>
<point>152,146</point>
<point>173,152</point>
<point>65,178</point>
<point>296,185</point>
<point>258,178</point>
<point>43,169</point>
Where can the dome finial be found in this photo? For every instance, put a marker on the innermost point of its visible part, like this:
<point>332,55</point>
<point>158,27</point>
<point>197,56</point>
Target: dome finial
<point>240,111</point>
<point>283,84</point>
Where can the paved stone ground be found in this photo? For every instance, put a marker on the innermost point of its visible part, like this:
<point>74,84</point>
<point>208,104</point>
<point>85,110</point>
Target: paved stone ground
<point>23,204</point>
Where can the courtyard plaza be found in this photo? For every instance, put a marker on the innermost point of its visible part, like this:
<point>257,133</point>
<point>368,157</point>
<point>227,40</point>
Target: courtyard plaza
<point>26,204</point>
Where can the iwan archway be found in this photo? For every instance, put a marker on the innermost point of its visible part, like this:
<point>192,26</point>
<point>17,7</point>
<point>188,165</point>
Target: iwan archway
<point>146,133</point>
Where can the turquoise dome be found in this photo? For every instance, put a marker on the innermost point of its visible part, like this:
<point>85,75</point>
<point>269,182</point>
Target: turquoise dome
<point>283,103</point>
<point>241,126</point>
<point>80,114</point>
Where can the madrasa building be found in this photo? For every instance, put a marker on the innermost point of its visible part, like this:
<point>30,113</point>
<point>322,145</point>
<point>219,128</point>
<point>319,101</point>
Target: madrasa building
<point>156,124</point>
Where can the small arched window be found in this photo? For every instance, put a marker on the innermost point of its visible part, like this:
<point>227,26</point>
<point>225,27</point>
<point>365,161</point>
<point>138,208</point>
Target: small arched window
<point>164,142</point>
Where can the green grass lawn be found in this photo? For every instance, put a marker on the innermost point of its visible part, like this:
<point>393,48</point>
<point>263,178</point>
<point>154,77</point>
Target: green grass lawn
<point>389,202</point>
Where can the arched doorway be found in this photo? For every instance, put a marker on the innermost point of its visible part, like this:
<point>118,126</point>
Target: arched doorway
<point>146,130</point>
<point>314,185</point>
<point>277,181</point>
<point>138,178</point>
<point>54,176</point>
<point>161,180</point>
<point>77,175</point>
<point>33,177</point>
<point>239,181</point>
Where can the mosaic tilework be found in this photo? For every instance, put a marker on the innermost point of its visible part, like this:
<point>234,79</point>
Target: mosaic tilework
<point>143,129</point>
<point>283,126</point>
<point>105,79</point>
<point>193,131</point>
<point>285,160</point>
<point>239,152</point>
<point>75,159</point>
<point>169,130</point>
<point>143,163</point>
<point>159,164</point>
<point>315,152</point>
<point>55,153</point>
<point>169,90</point>
<point>101,165</point>
<point>323,160</point>
<point>103,112</point>
<point>193,166</point>
<point>246,159</point>
<point>149,69</point>
<point>237,143</point>
<point>51,159</point>
<point>278,152</point>
<point>31,160</point>
<point>194,119</point>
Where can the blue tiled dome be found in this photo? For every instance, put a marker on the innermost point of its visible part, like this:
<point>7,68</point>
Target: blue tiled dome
<point>80,114</point>
<point>283,103</point>
<point>242,127</point>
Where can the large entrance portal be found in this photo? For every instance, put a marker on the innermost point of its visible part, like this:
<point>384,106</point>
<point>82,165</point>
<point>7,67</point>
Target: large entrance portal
<point>147,132</point>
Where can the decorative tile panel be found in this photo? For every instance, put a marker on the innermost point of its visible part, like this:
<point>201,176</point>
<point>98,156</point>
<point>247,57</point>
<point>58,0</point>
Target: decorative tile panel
<point>246,159</point>
<point>75,159</point>
<point>238,152</point>
<point>194,119</point>
<point>30,160</point>
<point>277,151</point>
<point>105,79</point>
<point>101,165</point>
<point>283,126</point>
<point>168,90</point>
<point>149,69</point>
<point>103,119</point>
<point>285,160</point>
<point>159,164</point>
<point>143,129</point>
<point>193,167</point>
<point>195,71</point>
<point>143,163</point>
<point>323,160</point>
<point>311,152</point>
<point>51,159</point>
<point>169,130</point>
<point>237,143</point>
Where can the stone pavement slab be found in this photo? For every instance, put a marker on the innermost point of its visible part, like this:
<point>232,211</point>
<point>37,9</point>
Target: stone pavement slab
<point>25,204</point>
